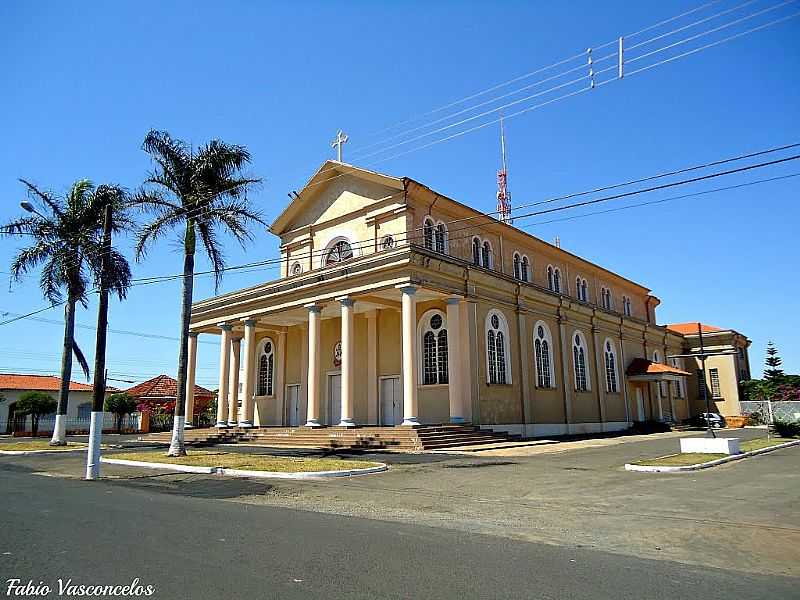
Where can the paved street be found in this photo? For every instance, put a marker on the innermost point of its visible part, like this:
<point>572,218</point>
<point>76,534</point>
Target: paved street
<point>555,525</point>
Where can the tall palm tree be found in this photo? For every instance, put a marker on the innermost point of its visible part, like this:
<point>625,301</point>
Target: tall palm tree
<point>67,245</point>
<point>202,192</point>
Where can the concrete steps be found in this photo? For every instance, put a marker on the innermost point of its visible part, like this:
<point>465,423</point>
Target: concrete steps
<point>401,438</point>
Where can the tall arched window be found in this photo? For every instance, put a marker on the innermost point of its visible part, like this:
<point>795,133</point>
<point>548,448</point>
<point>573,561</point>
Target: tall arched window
<point>486,254</point>
<point>476,252</point>
<point>338,252</point>
<point>525,268</point>
<point>581,289</point>
<point>626,306</point>
<point>441,238</point>
<point>266,369</point>
<point>498,358</point>
<point>517,266</point>
<point>677,385</point>
<point>580,362</point>
<point>611,367</point>
<point>554,278</point>
<point>662,387</point>
<point>543,355</point>
<point>433,339</point>
<point>427,230</point>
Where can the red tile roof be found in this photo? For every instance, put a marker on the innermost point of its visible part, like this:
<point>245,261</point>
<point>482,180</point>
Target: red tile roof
<point>44,383</point>
<point>642,366</point>
<point>690,328</point>
<point>163,386</point>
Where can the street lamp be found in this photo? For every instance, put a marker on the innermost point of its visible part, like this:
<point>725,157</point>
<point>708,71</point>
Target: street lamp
<point>30,208</point>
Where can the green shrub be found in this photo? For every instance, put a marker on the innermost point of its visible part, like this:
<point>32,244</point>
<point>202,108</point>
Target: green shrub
<point>35,404</point>
<point>755,418</point>
<point>786,428</point>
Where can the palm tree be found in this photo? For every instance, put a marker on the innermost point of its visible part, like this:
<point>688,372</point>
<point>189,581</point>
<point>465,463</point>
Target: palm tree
<point>66,243</point>
<point>202,192</point>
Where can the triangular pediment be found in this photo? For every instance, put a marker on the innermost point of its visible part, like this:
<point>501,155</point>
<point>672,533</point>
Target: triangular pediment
<point>335,189</point>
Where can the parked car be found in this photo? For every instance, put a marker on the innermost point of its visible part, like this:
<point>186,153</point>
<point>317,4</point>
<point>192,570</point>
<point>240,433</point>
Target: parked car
<point>715,420</point>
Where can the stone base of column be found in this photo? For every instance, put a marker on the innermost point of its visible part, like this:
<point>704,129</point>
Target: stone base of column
<point>313,423</point>
<point>232,423</point>
<point>457,420</point>
<point>187,424</point>
<point>347,423</point>
<point>245,424</point>
<point>410,421</point>
<point>222,425</point>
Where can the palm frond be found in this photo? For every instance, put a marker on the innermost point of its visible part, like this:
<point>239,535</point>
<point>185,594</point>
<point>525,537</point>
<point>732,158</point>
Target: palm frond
<point>80,358</point>
<point>212,249</point>
<point>156,229</point>
<point>46,197</point>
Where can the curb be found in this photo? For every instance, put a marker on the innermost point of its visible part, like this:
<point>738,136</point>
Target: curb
<point>31,452</point>
<point>243,473</point>
<point>706,465</point>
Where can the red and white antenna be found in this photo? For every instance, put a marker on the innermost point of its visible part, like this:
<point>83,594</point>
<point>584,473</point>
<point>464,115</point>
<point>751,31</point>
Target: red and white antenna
<point>503,196</point>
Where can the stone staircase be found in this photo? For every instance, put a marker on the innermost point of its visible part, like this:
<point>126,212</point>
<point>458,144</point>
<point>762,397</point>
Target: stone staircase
<point>402,438</point>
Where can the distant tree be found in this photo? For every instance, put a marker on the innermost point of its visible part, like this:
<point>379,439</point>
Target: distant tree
<point>120,405</point>
<point>773,372</point>
<point>203,193</point>
<point>35,404</point>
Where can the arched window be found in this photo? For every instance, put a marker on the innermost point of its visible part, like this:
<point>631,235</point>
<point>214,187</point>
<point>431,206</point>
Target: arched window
<point>677,385</point>
<point>517,266</point>
<point>338,252</point>
<point>662,389</point>
<point>611,367</point>
<point>580,362</point>
<point>498,359</point>
<point>543,355</point>
<point>476,252</point>
<point>626,306</point>
<point>606,299</point>
<point>526,267</point>
<point>441,238</point>
<point>582,289</point>
<point>266,369</point>
<point>486,254</point>
<point>297,268</point>
<point>550,280</point>
<point>433,339</point>
<point>427,229</point>
<point>557,280</point>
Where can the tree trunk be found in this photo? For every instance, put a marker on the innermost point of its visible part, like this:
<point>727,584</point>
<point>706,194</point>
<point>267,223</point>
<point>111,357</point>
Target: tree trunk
<point>99,387</point>
<point>34,426</point>
<point>60,428</point>
<point>177,447</point>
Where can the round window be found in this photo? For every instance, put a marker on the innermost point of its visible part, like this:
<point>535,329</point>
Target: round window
<point>297,268</point>
<point>388,242</point>
<point>540,331</point>
<point>436,321</point>
<point>577,340</point>
<point>267,347</point>
<point>495,322</point>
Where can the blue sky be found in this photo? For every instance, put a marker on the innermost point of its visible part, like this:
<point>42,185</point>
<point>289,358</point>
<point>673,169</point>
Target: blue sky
<point>83,82</point>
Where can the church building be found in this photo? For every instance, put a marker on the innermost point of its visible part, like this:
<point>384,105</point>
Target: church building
<point>397,305</point>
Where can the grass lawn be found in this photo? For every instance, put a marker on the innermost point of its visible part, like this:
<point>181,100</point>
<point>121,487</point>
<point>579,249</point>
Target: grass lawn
<point>250,462</point>
<point>43,444</point>
<point>695,458</point>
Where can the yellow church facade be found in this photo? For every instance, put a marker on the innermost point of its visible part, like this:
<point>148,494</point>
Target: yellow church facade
<point>397,305</point>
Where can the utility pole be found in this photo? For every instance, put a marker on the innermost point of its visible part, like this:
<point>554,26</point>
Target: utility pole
<point>709,429</point>
<point>99,387</point>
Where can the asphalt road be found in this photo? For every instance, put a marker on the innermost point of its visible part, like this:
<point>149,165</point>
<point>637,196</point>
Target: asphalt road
<point>206,547</point>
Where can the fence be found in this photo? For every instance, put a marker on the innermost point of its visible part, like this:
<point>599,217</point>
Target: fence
<point>21,424</point>
<point>781,411</point>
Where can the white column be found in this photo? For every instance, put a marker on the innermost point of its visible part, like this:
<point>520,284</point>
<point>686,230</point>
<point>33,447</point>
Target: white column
<point>280,377</point>
<point>348,356</point>
<point>455,388</point>
<point>191,369</point>
<point>409,317</point>
<point>372,367</point>
<point>224,375</point>
<point>469,349</point>
<point>566,370</point>
<point>314,322</point>
<point>249,373</point>
<point>233,391</point>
